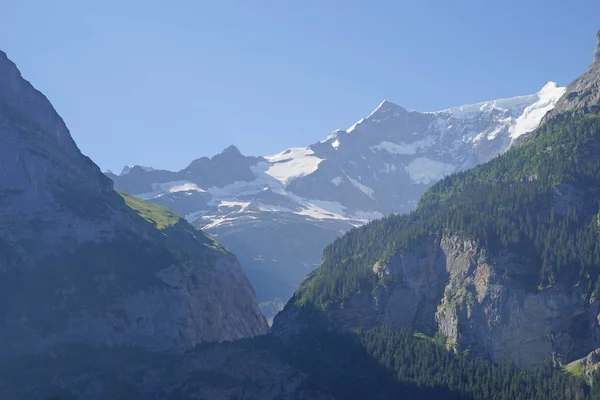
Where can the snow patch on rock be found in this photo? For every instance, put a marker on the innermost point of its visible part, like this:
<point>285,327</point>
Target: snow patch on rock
<point>160,189</point>
<point>365,189</point>
<point>404,148</point>
<point>337,181</point>
<point>425,171</point>
<point>292,163</point>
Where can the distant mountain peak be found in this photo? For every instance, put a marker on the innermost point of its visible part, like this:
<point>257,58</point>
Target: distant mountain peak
<point>128,168</point>
<point>231,150</point>
<point>551,91</point>
<point>548,86</point>
<point>386,107</point>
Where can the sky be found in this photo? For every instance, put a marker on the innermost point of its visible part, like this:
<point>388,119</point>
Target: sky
<point>160,83</point>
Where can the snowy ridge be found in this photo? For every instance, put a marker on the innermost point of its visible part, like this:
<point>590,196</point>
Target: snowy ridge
<point>508,104</point>
<point>532,116</point>
<point>457,137</point>
<point>241,199</point>
<point>127,169</point>
<point>449,143</point>
<point>160,189</point>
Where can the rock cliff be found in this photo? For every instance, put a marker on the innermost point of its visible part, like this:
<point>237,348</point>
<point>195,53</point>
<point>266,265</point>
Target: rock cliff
<point>583,94</point>
<point>479,304</point>
<point>81,264</point>
<point>586,366</point>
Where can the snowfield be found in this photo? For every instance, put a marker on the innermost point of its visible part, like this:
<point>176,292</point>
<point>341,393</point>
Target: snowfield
<point>292,163</point>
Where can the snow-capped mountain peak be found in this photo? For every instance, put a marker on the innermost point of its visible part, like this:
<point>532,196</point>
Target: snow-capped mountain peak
<point>277,212</point>
<point>511,104</point>
<point>385,108</point>
<point>531,117</point>
<point>549,89</point>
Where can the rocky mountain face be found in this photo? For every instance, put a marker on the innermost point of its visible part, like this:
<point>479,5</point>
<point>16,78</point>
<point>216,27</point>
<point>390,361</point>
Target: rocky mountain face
<point>488,260</point>
<point>586,367</point>
<point>278,212</point>
<point>80,263</point>
<point>583,94</point>
<point>448,286</point>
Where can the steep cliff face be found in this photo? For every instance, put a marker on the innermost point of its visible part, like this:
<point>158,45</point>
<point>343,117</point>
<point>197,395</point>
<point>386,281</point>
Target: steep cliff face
<point>79,264</point>
<point>487,310</point>
<point>478,303</point>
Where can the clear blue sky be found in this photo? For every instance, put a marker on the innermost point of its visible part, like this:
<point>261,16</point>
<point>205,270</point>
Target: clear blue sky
<point>161,83</point>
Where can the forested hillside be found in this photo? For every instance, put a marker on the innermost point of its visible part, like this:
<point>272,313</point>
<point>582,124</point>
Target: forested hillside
<point>538,201</point>
<point>384,362</point>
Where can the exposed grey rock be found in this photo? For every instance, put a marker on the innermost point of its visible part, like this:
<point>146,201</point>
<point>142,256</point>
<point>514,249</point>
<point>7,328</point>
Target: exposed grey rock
<point>583,94</point>
<point>586,366</point>
<point>78,265</point>
<point>479,304</point>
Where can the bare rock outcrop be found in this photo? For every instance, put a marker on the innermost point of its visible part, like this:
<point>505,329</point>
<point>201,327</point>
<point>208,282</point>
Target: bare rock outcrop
<point>583,94</point>
<point>79,264</point>
<point>481,304</point>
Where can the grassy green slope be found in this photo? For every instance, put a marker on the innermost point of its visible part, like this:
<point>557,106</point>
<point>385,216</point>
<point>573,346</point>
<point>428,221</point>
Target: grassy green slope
<point>160,217</point>
<point>169,223</point>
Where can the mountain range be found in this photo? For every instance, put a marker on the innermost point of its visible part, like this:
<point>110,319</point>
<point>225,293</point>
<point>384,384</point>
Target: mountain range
<point>488,289</point>
<point>278,212</point>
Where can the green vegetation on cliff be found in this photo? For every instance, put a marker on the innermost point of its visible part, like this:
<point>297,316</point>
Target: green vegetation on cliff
<point>538,201</point>
<point>160,217</point>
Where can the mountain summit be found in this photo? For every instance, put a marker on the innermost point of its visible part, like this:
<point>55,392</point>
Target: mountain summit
<point>385,109</point>
<point>231,150</point>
